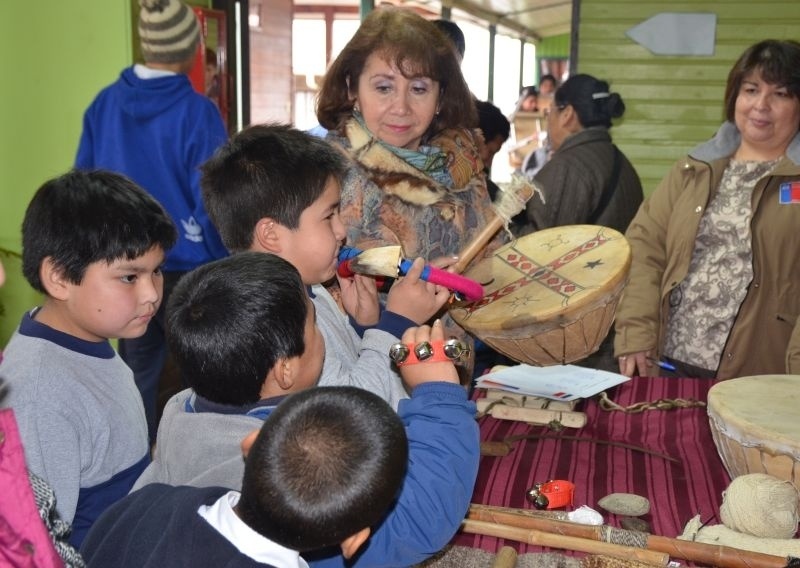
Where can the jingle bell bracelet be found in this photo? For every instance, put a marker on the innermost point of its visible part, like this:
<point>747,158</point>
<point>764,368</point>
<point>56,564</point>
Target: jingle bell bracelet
<point>435,351</point>
<point>553,494</point>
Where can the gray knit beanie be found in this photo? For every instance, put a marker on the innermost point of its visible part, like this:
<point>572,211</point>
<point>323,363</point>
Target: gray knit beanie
<point>168,31</point>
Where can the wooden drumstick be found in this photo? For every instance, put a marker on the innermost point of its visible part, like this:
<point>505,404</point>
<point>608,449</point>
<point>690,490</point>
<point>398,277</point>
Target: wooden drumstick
<point>506,558</point>
<point>477,243</point>
<point>708,554</point>
<point>511,202</point>
<point>552,540</point>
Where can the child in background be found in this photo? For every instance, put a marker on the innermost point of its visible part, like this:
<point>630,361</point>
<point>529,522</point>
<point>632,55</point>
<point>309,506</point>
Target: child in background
<point>455,34</point>
<point>528,99</point>
<point>495,129</point>
<point>547,88</point>
<point>243,332</point>
<point>93,244</point>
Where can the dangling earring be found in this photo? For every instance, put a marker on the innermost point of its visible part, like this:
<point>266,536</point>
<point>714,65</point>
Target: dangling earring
<point>356,107</point>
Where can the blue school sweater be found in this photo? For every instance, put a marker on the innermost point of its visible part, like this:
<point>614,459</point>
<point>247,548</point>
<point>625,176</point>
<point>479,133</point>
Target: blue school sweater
<point>158,132</point>
<point>80,417</point>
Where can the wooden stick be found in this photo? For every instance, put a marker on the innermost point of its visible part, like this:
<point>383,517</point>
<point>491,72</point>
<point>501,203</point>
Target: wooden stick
<point>551,540</point>
<point>633,447</point>
<point>525,192</point>
<point>524,400</point>
<point>477,243</point>
<point>568,418</point>
<point>710,554</point>
<point>541,513</point>
<point>506,558</point>
<point>495,449</point>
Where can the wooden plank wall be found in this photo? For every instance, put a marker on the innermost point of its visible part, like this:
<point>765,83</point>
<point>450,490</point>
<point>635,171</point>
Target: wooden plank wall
<point>553,46</point>
<point>673,103</point>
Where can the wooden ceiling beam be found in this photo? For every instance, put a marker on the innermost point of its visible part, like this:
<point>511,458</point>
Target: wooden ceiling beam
<point>493,18</point>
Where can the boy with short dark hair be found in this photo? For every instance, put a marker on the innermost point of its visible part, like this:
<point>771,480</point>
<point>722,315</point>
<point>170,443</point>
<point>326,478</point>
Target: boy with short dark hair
<point>93,244</point>
<point>152,126</point>
<point>495,129</point>
<point>323,469</point>
<point>242,330</point>
<point>455,35</point>
<point>254,312</point>
<point>275,189</point>
<point>238,339</point>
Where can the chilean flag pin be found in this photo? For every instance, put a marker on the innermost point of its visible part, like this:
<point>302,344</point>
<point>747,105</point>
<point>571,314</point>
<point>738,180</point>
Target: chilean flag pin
<point>789,192</point>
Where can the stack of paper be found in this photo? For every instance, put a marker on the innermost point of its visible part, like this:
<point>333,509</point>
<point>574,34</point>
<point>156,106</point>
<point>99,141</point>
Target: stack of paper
<point>557,382</point>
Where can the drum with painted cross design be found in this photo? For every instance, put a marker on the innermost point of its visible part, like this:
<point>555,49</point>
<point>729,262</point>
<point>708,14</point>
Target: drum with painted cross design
<point>550,297</point>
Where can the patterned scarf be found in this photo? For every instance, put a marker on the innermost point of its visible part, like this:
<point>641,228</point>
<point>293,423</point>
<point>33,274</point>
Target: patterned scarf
<point>451,158</point>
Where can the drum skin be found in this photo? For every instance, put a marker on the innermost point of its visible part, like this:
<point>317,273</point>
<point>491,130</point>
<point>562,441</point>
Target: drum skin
<point>755,427</point>
<point>550,297</point>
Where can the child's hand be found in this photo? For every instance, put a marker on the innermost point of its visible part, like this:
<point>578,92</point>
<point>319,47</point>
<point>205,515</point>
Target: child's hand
<point>435,369</point>
<point>360,299</point>
<point>444,262</point>
<point>416,299</point>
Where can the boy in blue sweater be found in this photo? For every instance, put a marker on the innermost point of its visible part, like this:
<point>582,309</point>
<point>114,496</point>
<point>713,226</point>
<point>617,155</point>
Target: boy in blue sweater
<point>93,244</point>
<point>243,333</point>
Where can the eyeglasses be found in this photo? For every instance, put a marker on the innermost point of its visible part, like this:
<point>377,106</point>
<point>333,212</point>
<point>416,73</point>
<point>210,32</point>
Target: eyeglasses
<point>547,111</point>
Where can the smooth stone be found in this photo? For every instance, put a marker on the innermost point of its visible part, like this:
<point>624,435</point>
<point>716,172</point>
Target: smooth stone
<point>626,504</point>
<point>634,524</point>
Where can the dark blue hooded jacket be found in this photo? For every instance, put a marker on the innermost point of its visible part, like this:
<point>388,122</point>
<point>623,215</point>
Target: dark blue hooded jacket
<point>158,132</point>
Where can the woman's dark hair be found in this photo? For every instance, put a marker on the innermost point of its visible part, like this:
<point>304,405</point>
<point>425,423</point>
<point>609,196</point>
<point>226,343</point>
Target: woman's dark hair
<point>418,49</point>
<point>592,100</point>
<point>778,62</point>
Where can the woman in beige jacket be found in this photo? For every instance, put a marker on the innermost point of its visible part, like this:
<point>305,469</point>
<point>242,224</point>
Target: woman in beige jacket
<point>715,282</point>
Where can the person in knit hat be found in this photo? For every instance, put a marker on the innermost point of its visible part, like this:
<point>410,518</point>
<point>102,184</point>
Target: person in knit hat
<point>152,126</point>
<point>168,32</point>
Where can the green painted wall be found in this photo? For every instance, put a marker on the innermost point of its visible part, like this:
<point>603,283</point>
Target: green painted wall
<point>673,103</point>
<point>553,46</point>
<point>55,57</point>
